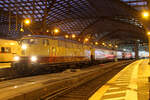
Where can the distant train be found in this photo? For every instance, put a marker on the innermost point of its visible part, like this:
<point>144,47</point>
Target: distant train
<point>33,51</point>
<point>38,50</point>
<point>9,49</point>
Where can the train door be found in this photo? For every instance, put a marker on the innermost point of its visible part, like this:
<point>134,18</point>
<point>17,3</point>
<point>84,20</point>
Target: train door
<point>53,51</point>
<point>92,53</point>
<point>45,47</point>
<point>45,50</point>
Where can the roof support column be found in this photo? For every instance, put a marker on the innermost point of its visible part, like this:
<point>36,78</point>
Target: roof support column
<point>45,17</point>
<point>136,50</point>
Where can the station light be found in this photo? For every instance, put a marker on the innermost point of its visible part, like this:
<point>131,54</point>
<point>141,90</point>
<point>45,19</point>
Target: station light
<point>110,45</point>
<point>96,43</point>
<point>73,35</point>
<point>124,49</point>
<point>116,46</point>
<point>148,33</point>
<point>47,31</point>
<point>56,30</point>
<point>103,44</point>
<point>67,36</point>
<point>86,39</point>
<point>79,39</point>
<point>27,21</point>
<point>29,35</point>
<point>145,14</point>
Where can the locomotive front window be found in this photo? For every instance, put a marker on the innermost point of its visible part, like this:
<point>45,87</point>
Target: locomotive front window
<point>29,41</point>
<point>33,41</point>
<point>25,41</point>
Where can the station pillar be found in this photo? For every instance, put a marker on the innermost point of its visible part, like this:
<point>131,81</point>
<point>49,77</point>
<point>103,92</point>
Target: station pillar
<point>136,50</point>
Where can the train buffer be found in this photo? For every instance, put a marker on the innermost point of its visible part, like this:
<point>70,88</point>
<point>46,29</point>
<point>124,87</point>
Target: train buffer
<point>131,83</point>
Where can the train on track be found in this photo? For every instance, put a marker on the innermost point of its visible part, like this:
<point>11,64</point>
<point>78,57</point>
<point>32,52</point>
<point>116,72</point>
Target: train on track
<point>8,50</point>
<point>36,50</point>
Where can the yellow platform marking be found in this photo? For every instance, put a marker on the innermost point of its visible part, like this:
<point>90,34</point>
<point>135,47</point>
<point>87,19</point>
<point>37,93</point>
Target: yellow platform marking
<point>131,93</point>
<point>109,93</point>
<point>100,92</point>
<point>119,98</point>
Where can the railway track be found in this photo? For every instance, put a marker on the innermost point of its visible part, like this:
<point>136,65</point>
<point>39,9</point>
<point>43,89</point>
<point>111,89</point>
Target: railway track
<point>85,90</point>
<point>8,73</point>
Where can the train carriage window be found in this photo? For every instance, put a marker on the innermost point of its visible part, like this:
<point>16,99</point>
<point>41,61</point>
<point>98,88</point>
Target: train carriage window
<point>45,42</point>
<point>2,49</point>
<point>5,50</point>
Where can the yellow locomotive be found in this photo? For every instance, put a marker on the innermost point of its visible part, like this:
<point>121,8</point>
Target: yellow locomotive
<point>43,49</point>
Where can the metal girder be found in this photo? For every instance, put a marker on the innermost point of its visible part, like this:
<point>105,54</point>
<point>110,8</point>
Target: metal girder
<point>130,36</point>
<point>105,18</point>
<point>71,16</point>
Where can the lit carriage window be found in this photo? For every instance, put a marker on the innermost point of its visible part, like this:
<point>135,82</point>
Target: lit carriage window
<point>7,50</point>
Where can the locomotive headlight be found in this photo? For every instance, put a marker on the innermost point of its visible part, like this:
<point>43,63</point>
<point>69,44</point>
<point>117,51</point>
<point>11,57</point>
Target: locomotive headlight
<point>33,58</point>
<point>24,47</point>
<point>16,58</point>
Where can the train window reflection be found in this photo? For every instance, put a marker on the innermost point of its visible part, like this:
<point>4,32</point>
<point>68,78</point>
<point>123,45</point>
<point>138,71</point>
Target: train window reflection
<point>33,41</point>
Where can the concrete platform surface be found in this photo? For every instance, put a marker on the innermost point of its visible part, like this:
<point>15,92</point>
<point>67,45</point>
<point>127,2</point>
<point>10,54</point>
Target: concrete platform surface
<point>131,83</point>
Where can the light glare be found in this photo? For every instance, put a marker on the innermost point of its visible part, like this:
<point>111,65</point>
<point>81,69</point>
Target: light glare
<point>33,58</point>
<point>56,30</point>
<point>145,14</point>
<point>66,36</point>
<point>16,58</point>
<point>27,21</point>
<point>148,33</point>
<point>73,35</point>
<point>24,47</point>
<point>86,39</point>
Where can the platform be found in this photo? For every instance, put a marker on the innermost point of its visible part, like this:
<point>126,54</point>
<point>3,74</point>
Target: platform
<point>132,83</point>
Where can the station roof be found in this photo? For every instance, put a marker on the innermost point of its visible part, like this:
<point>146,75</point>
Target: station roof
<point>101,20</point>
